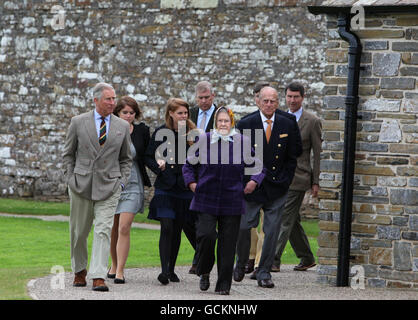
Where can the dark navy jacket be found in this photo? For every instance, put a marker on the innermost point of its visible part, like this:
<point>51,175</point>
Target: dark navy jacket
<point>279,155</point>
<point>172,177</point>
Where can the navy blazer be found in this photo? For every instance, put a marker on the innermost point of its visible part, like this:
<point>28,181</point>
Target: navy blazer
<point>279,155</point>
<point>140,138</point>
<point>194,114</point>
<point>171,178</point>
<point>296,131</point>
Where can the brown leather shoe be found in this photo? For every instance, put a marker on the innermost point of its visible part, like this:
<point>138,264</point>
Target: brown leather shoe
<point>80,278</point>
<point>304,267</point>
<point>99,285</point>
<point>275,268</point>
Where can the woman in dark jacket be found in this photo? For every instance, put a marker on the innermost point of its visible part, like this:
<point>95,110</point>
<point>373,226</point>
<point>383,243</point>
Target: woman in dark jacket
<point>132,197</point>
<point>165,156</point>
<point>217,179</point>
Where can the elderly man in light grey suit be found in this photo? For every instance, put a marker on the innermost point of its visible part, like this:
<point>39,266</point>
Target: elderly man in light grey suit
<point>306,178</point>
<point>98,163</point>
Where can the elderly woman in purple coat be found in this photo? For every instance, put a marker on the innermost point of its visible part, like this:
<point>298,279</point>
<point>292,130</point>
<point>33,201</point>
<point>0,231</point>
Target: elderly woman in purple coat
<point>215,172</point>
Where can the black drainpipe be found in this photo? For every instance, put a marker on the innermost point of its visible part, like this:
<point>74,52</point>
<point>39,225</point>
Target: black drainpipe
<point>351,102</point>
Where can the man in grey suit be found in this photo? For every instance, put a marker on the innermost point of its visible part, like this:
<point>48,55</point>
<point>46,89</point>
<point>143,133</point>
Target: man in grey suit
<point>98,162</point>
<point>306,177</point>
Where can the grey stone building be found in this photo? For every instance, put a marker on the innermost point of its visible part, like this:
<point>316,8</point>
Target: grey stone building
<point>53,52</point>
<point>384,232</point>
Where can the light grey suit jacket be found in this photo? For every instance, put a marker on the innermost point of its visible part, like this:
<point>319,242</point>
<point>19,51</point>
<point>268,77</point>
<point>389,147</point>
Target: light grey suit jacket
<point>93,171</point>
<point>310,131</point>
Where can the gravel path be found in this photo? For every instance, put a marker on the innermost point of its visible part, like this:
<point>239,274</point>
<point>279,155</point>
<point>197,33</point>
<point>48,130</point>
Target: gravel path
<point>142,284</point>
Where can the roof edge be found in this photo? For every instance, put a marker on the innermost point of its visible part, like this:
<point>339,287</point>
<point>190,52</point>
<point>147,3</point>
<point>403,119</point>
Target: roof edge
<point>316,10</point>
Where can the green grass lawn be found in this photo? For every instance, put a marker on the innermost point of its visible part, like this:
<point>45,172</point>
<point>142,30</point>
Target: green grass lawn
<point>33,207</point>
<point>30,247</point>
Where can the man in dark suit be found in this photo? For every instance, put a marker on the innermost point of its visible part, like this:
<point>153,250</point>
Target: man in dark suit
<point>280,150</point>
<point>204,113</point>
<point>257,237</point>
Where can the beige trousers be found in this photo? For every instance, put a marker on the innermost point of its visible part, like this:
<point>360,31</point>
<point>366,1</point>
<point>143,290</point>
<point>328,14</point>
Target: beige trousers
<point>83,213</point>
<point>257,239</point>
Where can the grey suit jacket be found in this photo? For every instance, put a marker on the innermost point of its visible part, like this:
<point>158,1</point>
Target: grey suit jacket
<point>306,175</point>
<point>93,171</point>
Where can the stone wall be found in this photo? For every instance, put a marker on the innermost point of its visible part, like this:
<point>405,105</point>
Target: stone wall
<point>385,215</point>
<point>151,50</point>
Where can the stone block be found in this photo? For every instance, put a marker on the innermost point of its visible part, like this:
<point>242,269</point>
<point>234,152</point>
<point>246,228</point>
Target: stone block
<point>398,83</point>
<point>339,56</point>
<point>392,161</point>
<point>375,45</point>
<point>389,209</point>
<point>391,94</point>
<point>373,147</point>
<point>402,256</point>
<point>410,106</point>
<point>327,252</point>
<point>390,131</point>
<point>407,21</point>
<point>386,64</point>
<point>372,170</point>
<point>407,171</point>
<point>328,239</point>
<point>363,208</point>
<point>376,283</point>
<point>334,102</point>
<point>382,105</point>
<point>363,229</point>
<point>398,285</point>
<point>406,46</point>
<point>328,226</point>
<point>183,4</point>
<point>409,71</point>
<point>380,256</point>
<point>413,182</point>
<point>400,221</point>
<point>327,270</point>
<point>403,148</point>
<point>373,243</point>
<point>406,197</point>
<point>409,235</point>
<point>371,127</point>
<point>413,223</point>
<point>331,166</point>
<point>333,125</point>
<point>369,180</point>
<point>387,232</point>
<point>380,34</point>
<point>373,219</point>
<point>415,265</point>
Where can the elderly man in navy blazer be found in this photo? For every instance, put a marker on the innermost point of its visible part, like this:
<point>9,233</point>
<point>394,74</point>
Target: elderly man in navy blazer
<point>281,146</point>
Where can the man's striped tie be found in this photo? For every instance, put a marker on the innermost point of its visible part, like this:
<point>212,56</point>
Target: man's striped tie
<point>102,137</point>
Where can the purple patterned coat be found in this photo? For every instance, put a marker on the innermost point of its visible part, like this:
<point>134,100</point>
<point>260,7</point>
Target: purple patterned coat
<point>220,187</point>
